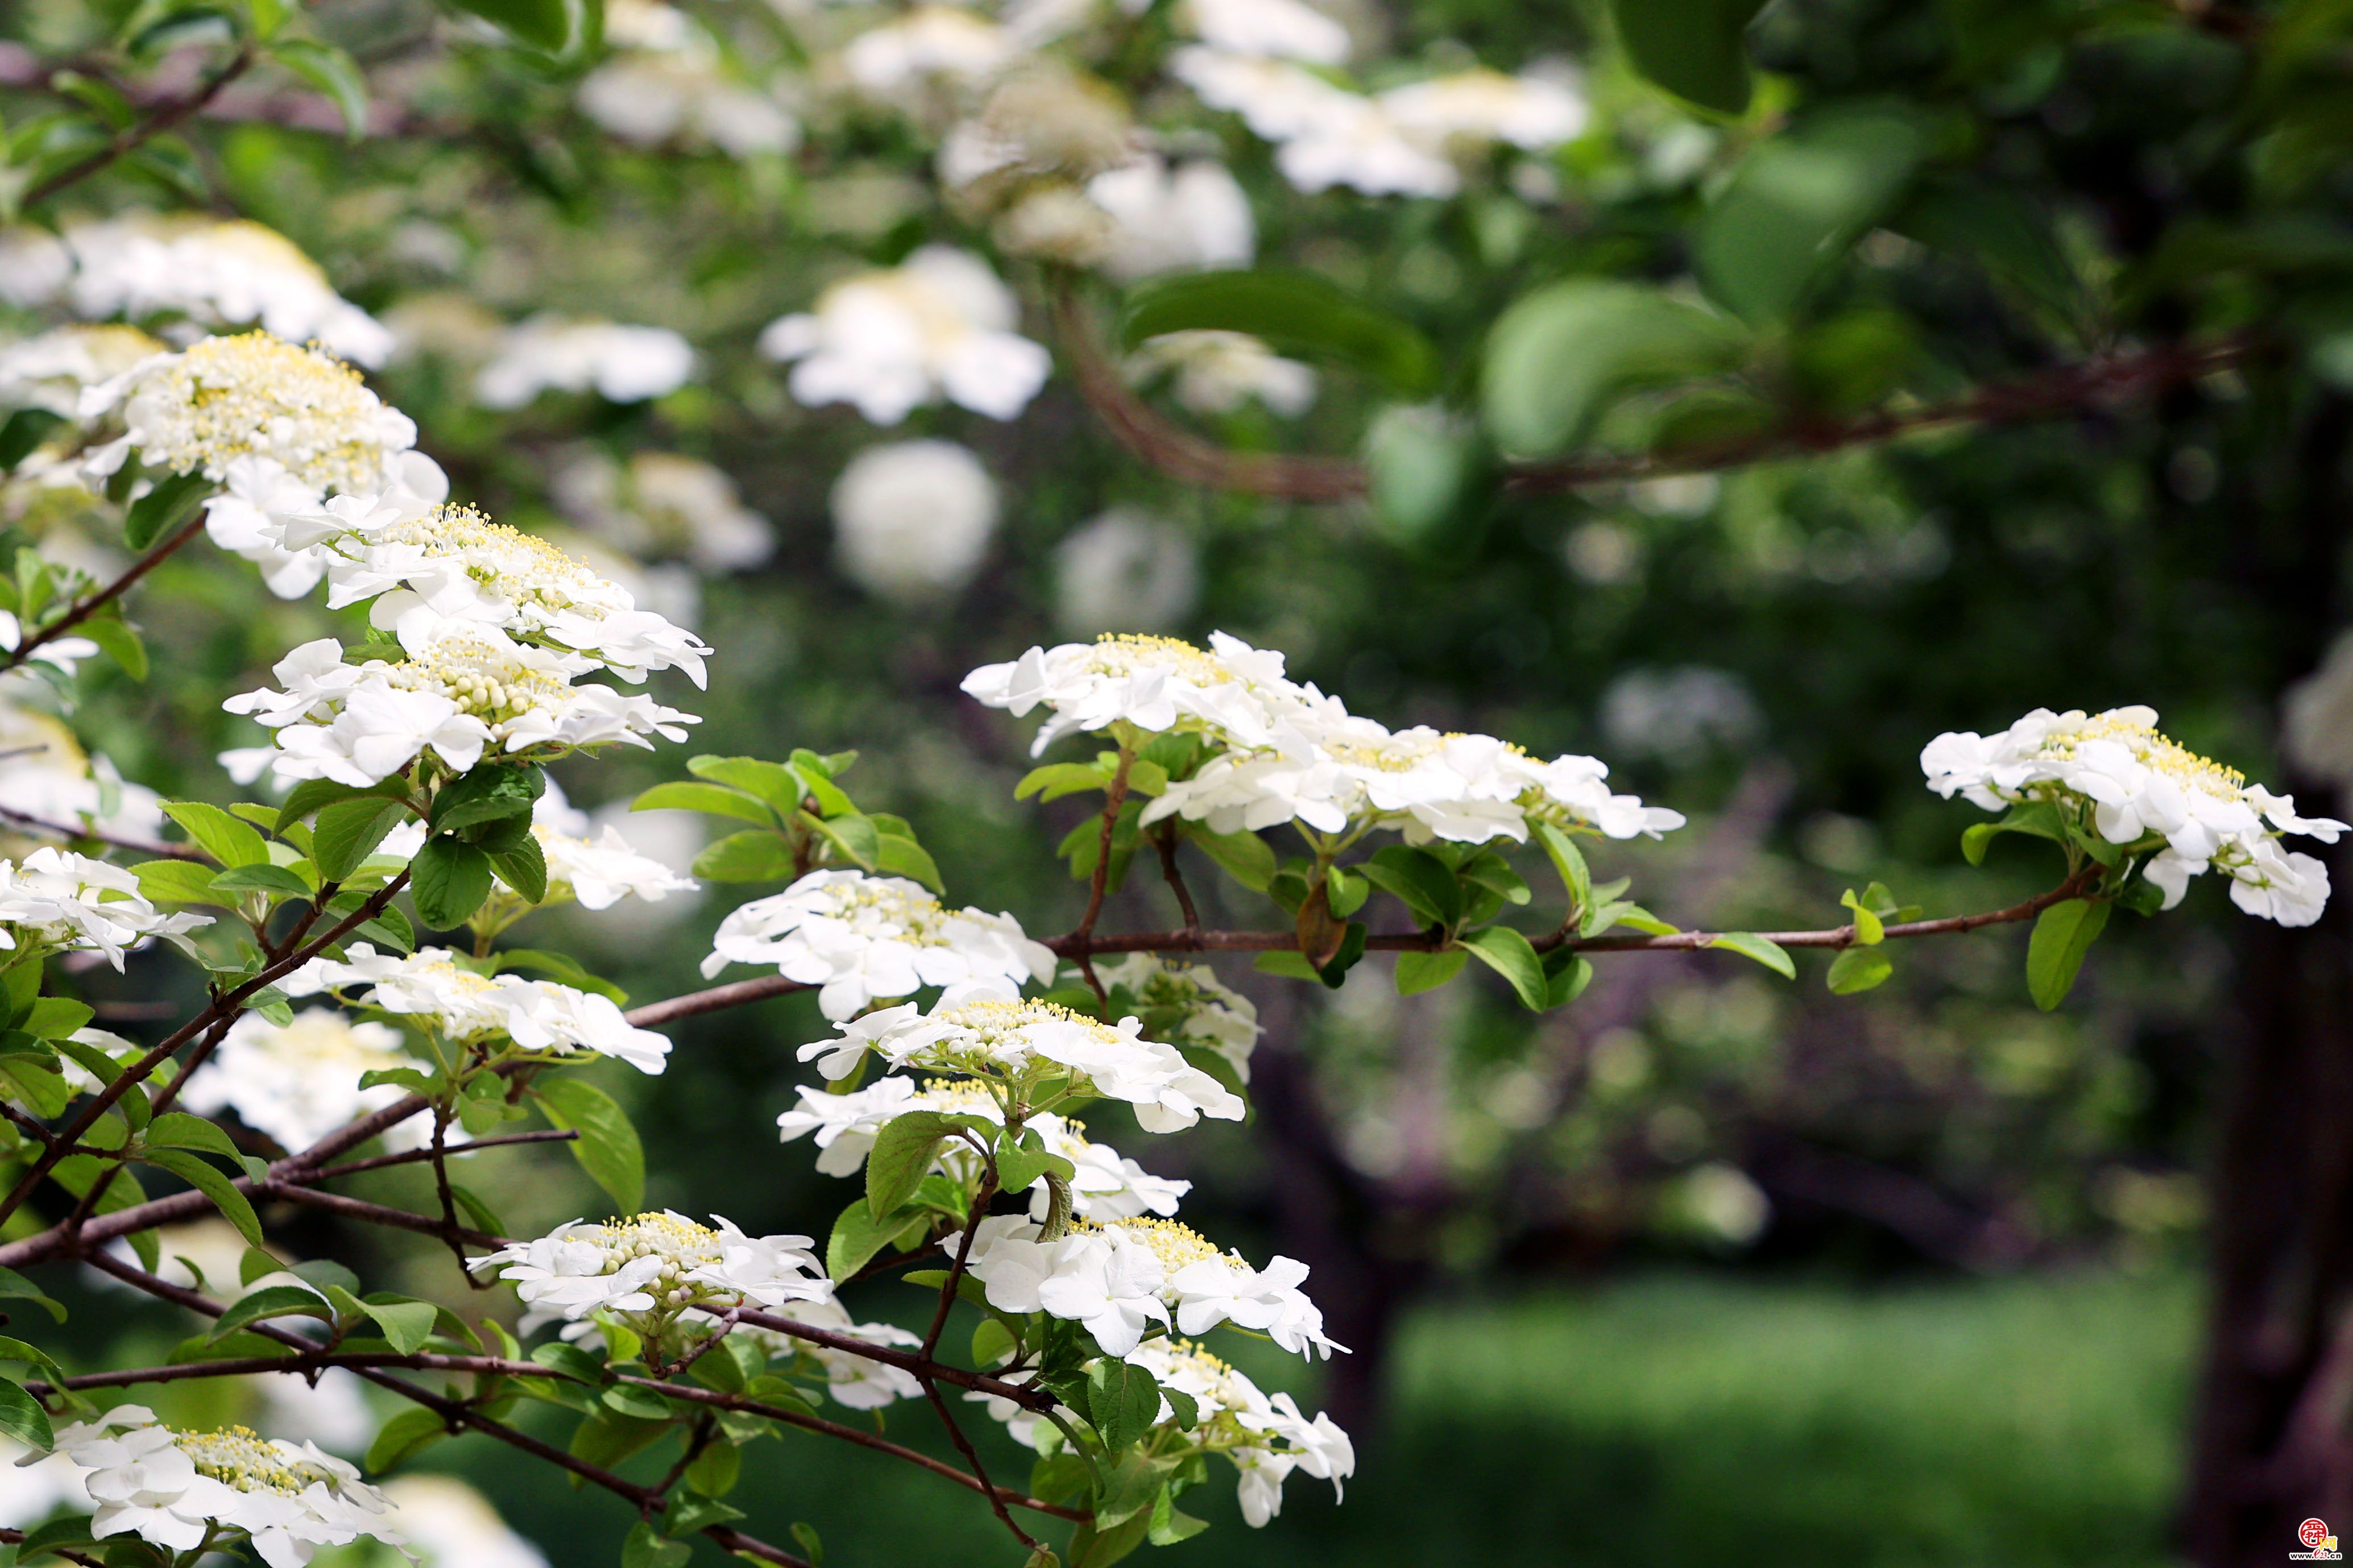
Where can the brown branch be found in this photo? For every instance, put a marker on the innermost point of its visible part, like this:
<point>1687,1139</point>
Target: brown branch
<point>296,110</point>
<point>137,845</point>
<point>734,993</point>
<point>14,1537</point>
<point>963,1256</point>
<point>130,138</point>
<point>85,608</point>
<point>905,1361</point>
<point>1184,455</point>
<point>1166,843</point>
<point>417,1157</point>
<point>972,1456</point>
<point>1114,797</point>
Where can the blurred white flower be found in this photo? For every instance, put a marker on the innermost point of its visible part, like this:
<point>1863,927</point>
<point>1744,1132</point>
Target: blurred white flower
<point>1280,29</point>
<point>1127,570</point>
<point>1722,1204</point>
<point>45,773</point>
<point>1678,714</point>
<point>1473,110</point>
<point>332,1412</point>
<point>50,371</point>
<point>903,63</point>
<point>547,352</point>
<point>913,519</point>
<point>940,324</point>
<point>666,82</point>
<point>2317,711</point>
<point>443,325</point>
<point>34,1486</point>
<point>1046,118</point>
<point>661,504</point>
<point>451,1525</point>
<point>298,1082</point>
<point>1196,216</point>
<point>1217,372</point>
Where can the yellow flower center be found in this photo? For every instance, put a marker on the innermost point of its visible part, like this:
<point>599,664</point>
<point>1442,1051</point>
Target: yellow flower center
<point>241,1457</point>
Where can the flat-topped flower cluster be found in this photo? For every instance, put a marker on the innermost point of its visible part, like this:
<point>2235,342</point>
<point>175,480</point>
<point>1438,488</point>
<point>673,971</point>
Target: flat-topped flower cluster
<point>2135,786</point>
<point>298,1081</point>
<point>653,1269</point>
<point>862,939</point>
<point>180,1490</point>
<point>1288,753</point>
<point>464,1005</point>
<point>53,900</point>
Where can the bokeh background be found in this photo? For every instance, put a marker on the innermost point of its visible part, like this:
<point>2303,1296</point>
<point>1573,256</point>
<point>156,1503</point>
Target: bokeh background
<point>1706,1264</point>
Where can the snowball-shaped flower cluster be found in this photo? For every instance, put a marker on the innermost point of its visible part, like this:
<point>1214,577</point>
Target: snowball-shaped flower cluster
<point>55,900</point>
<point>1107,1185</point>
<point>2118,775</point>
<point>939,324</point>
<point>863,938</point>
<point>251,395</point>
<point>913,519</point>
<point>654,1268</point>
<point>467,690</point>
<point>1201,1009</point>
<point>1117,1278</point>
<point>173,1489</point>
<point>298,1082</point>
<point>982,1030</point>
<point>465,1006</point>
<point>663,505</point>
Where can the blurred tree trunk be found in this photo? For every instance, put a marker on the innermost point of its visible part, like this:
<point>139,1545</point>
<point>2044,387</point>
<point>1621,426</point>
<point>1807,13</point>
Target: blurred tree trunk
<point>2273,1444</point>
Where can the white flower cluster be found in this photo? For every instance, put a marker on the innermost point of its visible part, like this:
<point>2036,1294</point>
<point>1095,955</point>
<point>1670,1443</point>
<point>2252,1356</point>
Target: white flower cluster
<point>1293,754</point>
<point>177,1489</point>
<point>1210,1013</point>
<point>1107,1185</point>
<point>298,1082</point>
<point>654,1268</point>
<point>467,689</point>
<point>556,353</point>
<point>1216,372</point>
<point>465,1006</point>
<point>2133,785</point>
<point>45,773</point>
<point>852,1380</point>
<point>982,1030</point>
<point>664,82</point>
<point>863,938</point>
<point>1116,1279</point>
<point>230,273</point>
<point>50,370</point>
<point>913,519</point>
<point>662,505</point>
<point>596,872</point>
<point>1404,142</point>
<point>939,324</point>
<point>54,899</point>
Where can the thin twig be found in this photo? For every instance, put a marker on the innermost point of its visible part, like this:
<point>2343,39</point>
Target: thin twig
<point>972,1458</point>
<point>1114,797</point>
<point>963,1258</point>
<point>130,138</point>
<point>155,847</point>
<point>417,1157</point>
<point>1165,842</point>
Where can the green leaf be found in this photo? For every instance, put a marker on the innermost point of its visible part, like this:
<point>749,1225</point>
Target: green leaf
<point>857,1236</point>
<point>207,1179</point>
<point>122,643</point>
<point>489,793</point>
<point>217,834</point>
<point>688,1515</point>
<point>781,787</point>
<point>992,1341</point>
<point>901,1155</point>
<point>1419,971</point>
<point>1426,885</point>
<point>312,793</point>
<point>853,837</point>
<point>715,799</point>
<point>271,1301</point>
<point>26,428</point>
<point>1693,48</point>
<point>561,967</point>
<point>21,1418</point>
<point>1558,357</point>
<point>15,1287</point>
<point>402,1436</point>
<point>1859,969</point>
<point>1171,1524</point>
<point>1799,200</point>
<point>550,26</point>
<point>607,1147</point>
<point>1245,856</point>
<point>449,879</point>
<point>522,865</point>
<point>180,882</point>
<point>1507,952</point>
<point>178,1130</point>
<point>275,880</point>
<point>348,832</point>
<point>1054,780</point>
<point>1295,313</point>
<point>2064,933</point>
<point>752,856</point>
<point>1868,929</point>
<point>1566,980</point>
<point>1288,964</point>
<point>1427,468</point>
<point>171,504</point>
<point>903,857</point>
<point>1769,953</point>
<point>55,1017</point>
<point>334,72</point>
<point>645,1549</point>
<point>1123,1399</point>
<point>1019,1166</point>
<point>2039,819</point>
<point>407,1324</point>
<point>32,1354</point>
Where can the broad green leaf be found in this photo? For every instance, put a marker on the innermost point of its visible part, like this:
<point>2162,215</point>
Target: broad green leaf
<point>449,879</point>
<point>1424,883</point>
<point>2064,933</point>
<point>1288,964</point>
<point>348,832</point>
<point>122,643</point>
<point>1418,972</point>
<point>1769,953</point>
<point>406,1325</point>
<point>217,834</point>
<point>717,800</point>
<point>1507,952</point>
<point>1122,1401</point>
<point>901,1155</point>
<point>15,1287</point>
<point>1020,1167</point>
<point>903,857</point>
<point>522,865</point>
<point>273,880</point>
<point>26,429</point>
<point>751,856</point>
<point>178,1130</point>
<point>271,1301</point>
<point>781,787</point>
<point>1558,357</point>
<point>1868,929</point>
<point>1693,48</point>
<point>31,1354</point>
<point>1244,857</point>
<point>992,1342</point>
<point>489,793</point>
<point>607,1148</point>
<point>55,1017</point>
<point>1427,469</point>
<point>2039,819</point>
<point>859,1235</point>
<point>1859,969</point>
<point>1566,980</point>
<point>550,26</point>
<point>645,1549</point>
<point>1297,313</point>
<point>334,72</point>
<point>21,1418</point>
<point>312,793</point>
<point>171,504</point>
<point>207,1179</point>
<point>402,1436</point>
<point>853,837</point>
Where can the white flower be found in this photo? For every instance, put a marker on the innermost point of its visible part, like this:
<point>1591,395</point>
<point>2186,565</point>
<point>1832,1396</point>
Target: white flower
<point>58,653</point>
<point>913,519</point>
<point>600,873</point>
<point>903,63</point>
<point>2116,775</point>
<point>35,1484</point>
<point>854,1382</point>
<point>1280,29</point>
<point>331,1412</point>
<point>171,1488</point>
<point>864,938</point>
<point>466,1005</point>
<point>1233,693</point>
<point>663,505</point>
<point>1216,372</point>
<point>656,1268</point>
<point>451,1525</point>
<point>1166,220</point>
<point>216,274</point>
<point>983,1030</point>
<point>664,83</point>
<point>1326,136</point>
<point>1266,1438</point>
<point>1475,109</point>
<point>265,507</point>
<point>45,773</point>
<point>621,364</point>
<point>1127,571</point>
<point>56,900</point>
<point>1206,1011</point>
<point>49,370</point>
<point>940,324</point>
<point>298,1082</point>
<point>252,395</point>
